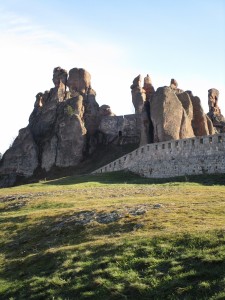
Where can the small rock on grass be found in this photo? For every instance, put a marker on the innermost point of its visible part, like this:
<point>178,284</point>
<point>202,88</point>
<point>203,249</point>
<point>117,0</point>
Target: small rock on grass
<point>158,205</point>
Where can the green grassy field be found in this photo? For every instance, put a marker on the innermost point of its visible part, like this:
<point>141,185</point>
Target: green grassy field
<point>113,236</point>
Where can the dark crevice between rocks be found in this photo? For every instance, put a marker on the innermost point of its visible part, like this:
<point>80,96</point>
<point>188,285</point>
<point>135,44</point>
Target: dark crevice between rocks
<point>151,127</point>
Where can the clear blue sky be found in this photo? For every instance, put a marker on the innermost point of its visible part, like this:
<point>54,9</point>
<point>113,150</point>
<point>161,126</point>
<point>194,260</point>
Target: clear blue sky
<point>114,40</point>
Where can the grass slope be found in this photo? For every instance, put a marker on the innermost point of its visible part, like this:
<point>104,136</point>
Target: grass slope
<point>113,236</point>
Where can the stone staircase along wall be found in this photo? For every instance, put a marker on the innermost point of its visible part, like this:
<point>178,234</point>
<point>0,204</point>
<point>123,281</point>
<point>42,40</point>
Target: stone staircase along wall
<point>193,156</point>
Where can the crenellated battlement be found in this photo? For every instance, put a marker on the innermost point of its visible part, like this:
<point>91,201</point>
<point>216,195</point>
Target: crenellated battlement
<point>198,155</point>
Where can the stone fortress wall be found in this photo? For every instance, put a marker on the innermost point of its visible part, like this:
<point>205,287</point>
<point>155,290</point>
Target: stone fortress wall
<point>126,128</point>
<point>192,156</point>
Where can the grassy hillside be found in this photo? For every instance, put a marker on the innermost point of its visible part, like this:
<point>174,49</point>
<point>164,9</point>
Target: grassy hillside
<point>113,236</point>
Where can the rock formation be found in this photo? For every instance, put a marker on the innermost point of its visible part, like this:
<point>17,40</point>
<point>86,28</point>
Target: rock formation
<point>61,128</point>
<point>20,160</point>
<point>214,113</point>
<point>67,124</point>
<point>174,86</point>
<point>176,114</point>
<point>138,95</point>
<point>201,124</point>
<point>105,110</point>
<point>148,87</point>
<point>60,79</point>
<point>79,81</point>
<point>170,119</point>
<point>213,97</point>
<point>140,98</point>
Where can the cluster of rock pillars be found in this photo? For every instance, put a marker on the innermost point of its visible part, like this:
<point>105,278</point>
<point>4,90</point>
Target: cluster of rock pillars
<point>65,125</point>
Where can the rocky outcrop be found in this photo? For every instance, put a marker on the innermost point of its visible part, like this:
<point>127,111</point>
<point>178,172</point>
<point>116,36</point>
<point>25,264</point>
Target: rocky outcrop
<point>148,87</point>
<point>64,146</point>
<point>141,101</point>
<point>174,86</point>
<point>169,117</point>
<point>200,123</point>
<point>60,79</point>
<point>20,160</point>
<point>105,110</point>
<point>79,81</point>
<point>42,119</point>
<point>186,103</point>
<point>138,95</point>
<point>67,124</point>
<point>22,156</point>
<point>213,97</point>
<point>177,114</point>
<point>214,113</point>
<point>65,139</point>
<point>61,129</point>
<point>211,129</point>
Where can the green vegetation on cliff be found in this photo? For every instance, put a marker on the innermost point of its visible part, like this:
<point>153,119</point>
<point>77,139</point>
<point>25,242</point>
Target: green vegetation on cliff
<point>113,236</point>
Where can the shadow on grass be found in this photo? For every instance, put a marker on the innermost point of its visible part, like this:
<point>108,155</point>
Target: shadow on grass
<point>54,232</point>
<point>140,269</point>
<point>131,178</point>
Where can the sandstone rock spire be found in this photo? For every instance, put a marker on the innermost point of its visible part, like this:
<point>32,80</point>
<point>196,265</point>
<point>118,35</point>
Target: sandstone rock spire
<point>169,117</point>
<point>213,97</point>
<point>59,76</point>
<point>214,113</point>
<point>141,107</point>
<point>59,79</point>
<point>173,84</point>
<point>79,81</point>
<point>138,95</point>
<point>148,87</point>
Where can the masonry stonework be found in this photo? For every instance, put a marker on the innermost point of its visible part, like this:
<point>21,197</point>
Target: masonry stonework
<point>193,156</point>
<point>127,128</point>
